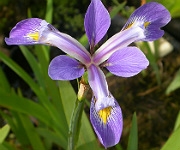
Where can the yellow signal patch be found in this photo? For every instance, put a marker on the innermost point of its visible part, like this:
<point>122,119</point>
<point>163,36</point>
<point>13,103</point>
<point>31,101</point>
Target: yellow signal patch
<point>104,114</point>
<point>128,26</point>
<point>146,24</point>
<point>34,36</point>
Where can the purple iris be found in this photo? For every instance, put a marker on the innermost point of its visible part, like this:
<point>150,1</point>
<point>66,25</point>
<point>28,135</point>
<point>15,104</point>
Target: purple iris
<point>143,25</point>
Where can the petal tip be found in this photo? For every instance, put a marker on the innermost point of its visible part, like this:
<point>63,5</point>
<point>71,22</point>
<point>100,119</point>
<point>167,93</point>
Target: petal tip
<point>26,32</point>
<point>64,68</point>
<point>97,21</point>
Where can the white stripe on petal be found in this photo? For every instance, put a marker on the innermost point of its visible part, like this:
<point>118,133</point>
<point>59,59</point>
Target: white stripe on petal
<point>117,42</point>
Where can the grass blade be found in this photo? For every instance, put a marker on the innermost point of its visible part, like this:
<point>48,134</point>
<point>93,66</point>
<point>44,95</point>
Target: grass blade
<point>133,137</point>
<point>173,142</point>
<point>4,132</point>
<point>175,84</point>
<point>4,84</point>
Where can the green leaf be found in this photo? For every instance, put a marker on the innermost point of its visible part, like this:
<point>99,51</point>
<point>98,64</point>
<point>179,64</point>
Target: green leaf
<point>19,71</point>
<point>90,146</point>
<point>145,46</point>
<point>41,94</point>
<point>86,134</point>
<point>31,133</point>
<point>173,6</point>
<point>4,84</point>
<point>118,147</point>
<point>33,64</point>
<point>133,137</point>
<point>51,88</point>
<point>4,132</point>
<point>175,84</point>
<point>24,105</point>
<point>53,137</point>
<point>2,147</point>
<point>173,141</point>
<point>6,146</point>
<point>49,11</point>
<point>177,123</point>
<point>83,40</point>
<point>17,127</point>
<point>68,97</point>
<point>115,10</point>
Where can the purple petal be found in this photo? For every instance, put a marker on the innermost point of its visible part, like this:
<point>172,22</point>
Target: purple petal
<point>70,46</point>
<point>117,42</point>
<point>98,84</point>
<point>65,68</point>
<point>143,25</point>
<point>107,123</point>
<point>151,17</point>
<point>26,32</point>
<point>127,62</point>
<point>97,21</point>
<point>37,31</point>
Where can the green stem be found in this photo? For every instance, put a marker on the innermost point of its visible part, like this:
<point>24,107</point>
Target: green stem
<point>75,121</point>
<point>75,124</point>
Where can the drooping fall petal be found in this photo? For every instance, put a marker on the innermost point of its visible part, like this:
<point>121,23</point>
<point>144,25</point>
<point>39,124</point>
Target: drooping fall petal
<point>143,25</point>
<point>65,68</point>
<point>37,31</point>
<point>107,123</point>
<point>96,22</point>
<point>27,32</point>
<point>127,62</point>
<point>151,17</point>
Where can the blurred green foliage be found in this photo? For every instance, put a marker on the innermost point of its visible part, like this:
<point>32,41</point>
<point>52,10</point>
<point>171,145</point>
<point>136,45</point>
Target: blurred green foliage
<point>172,5</point>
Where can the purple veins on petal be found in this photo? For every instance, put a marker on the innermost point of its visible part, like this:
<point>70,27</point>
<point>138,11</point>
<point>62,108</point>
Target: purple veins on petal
<point>96,22</point>
<point>127,62</point>
<point>26,32</point>
<point>151,17</point>
<point>117,42</point>
<point>143,25</point>
<point>37,31</point>
<point>107,123</point>
<point>65,68</point>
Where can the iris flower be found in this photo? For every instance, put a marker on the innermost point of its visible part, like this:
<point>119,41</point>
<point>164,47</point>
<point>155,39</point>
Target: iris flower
<point>115,54</point>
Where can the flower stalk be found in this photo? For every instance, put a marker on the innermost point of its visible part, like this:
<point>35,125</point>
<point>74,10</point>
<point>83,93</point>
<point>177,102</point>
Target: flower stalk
<point>75,121</point>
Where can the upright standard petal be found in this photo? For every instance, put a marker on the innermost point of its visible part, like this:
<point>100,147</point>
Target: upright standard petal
<point>127,62</point>
<point>151,17</point>
<point>38,31</point>
<point>97,22</point>
<point>65,68</point>
<point>99,86</point>
<point>107,123</point>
